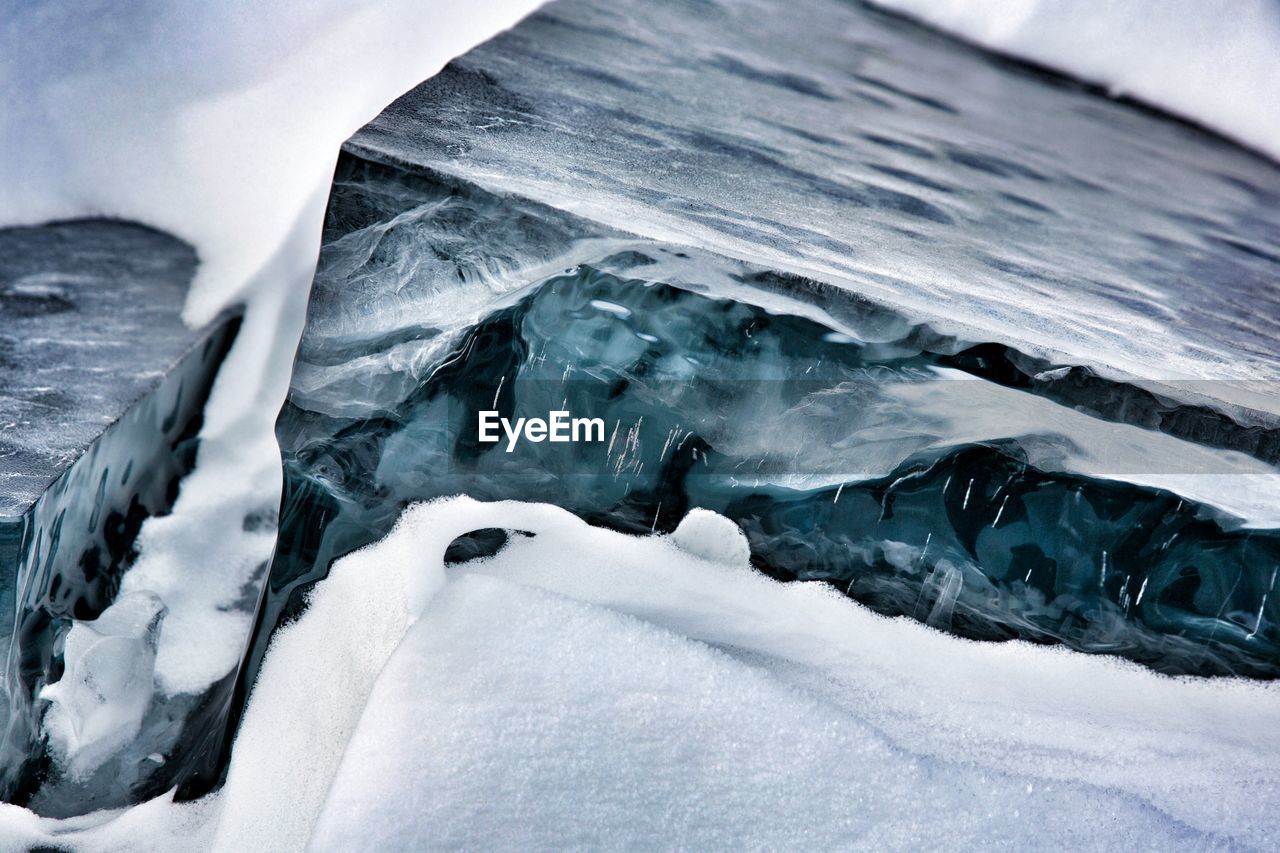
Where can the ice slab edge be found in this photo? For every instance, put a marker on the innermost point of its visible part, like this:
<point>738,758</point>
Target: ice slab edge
<point>389,343</point>
<point>114,292</point>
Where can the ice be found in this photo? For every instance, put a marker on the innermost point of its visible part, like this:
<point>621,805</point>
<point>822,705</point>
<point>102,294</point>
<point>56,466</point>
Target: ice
<point>865,152</point>
<point>246,112</point>
<point>615,690</point>
<point>1206,61</point>
<point>102,391</point>
<point>850,448</point>
<point>96,708</point>
<point>219,126</point>
<point>243,112</point>
<point>65,378</point>
<point>866,158</point>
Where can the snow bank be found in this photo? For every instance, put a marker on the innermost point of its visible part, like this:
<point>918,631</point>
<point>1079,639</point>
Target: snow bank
<point>594,689</point>
<point>1215,62</point>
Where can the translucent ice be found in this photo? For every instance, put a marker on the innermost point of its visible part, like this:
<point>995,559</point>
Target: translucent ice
<point>97,706</point>
<point>710,536</point>
<point>244,108</point>
<point>925,476</point>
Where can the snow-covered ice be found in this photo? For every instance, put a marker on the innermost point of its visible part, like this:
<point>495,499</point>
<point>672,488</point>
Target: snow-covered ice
<point>596,689</point>
<point>97,706</point>
<point>219,125</point>
<point>1214,62</point>
<point>657,693</point>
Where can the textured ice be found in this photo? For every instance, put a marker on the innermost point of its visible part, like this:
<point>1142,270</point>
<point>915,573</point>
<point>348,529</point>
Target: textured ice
<point>101,394</point>
<point>90,321</point>
<point>864,160</point>
<point>96,706</point>
<point>219,126</point>
<point>1214,57</point>
<point>845,154</point>
<point>857,149</point>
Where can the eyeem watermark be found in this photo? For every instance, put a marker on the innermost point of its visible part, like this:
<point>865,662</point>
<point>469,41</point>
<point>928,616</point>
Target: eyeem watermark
<point>559,426</point>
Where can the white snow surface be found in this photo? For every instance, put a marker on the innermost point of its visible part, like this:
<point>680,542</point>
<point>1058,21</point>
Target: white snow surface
<point>1214,62</point>
<point>585,688</point>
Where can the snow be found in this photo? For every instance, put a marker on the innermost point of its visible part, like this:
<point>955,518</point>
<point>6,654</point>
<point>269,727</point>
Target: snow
<point>97,706</point>
<point>589,688</point>
<point>611,691</point>
<point>513,719</point>
<point>156,826</point>
<point>1214,62</point>
<point>698,696</point>
<point>710,536</point>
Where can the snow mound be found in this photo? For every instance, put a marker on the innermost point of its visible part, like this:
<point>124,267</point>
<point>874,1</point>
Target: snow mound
<point>713,537</point>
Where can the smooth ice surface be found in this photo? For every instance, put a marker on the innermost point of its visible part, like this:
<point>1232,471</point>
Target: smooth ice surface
<point>824,138</point>
<point>1207,60</point>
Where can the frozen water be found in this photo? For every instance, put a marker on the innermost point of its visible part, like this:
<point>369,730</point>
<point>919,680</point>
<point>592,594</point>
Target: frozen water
<point>96,707</point>
<point>1213,61</point>
<point>219,126</point>
<point>917,473</point>
<point>64,378</point>
<point>895,163</point>
<point>1030,223</point>
<point>101,395</point>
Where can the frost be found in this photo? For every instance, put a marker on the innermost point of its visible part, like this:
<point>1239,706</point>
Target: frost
<point>97,706</point>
